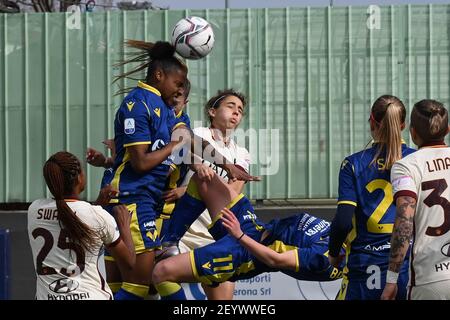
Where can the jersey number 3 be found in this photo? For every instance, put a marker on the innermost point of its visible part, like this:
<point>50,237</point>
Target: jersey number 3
<point>373,223</point>
<point>63,243</point>
<point>434,198</point>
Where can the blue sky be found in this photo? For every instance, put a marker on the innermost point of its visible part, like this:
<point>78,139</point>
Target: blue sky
<point>220,4</point>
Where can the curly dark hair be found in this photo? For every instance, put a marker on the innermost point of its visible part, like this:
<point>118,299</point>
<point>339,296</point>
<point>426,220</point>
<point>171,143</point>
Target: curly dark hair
<point>151,57</point>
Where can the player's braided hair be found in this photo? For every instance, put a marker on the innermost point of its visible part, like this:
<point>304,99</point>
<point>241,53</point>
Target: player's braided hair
<point>215,101</point>
<point>61,171</point>
<point>151,57</point>
<point>388,115</point>
<point>430,120</point>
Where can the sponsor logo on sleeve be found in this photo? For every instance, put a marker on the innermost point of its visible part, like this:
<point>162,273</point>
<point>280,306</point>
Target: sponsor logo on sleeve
<point>402,183</point>
<point>129,126</point>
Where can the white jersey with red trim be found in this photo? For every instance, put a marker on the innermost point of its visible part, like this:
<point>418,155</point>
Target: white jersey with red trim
<point>425,175</point>
<point>231,151</point>
<point>64,270</point>
<point>198,234</point>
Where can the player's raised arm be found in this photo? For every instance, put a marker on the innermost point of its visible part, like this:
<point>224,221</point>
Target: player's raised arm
<point>143,161</point>
<point>234,172</point>
<point>98,159</point>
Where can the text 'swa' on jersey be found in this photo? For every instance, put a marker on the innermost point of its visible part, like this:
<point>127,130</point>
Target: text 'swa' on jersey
<point>425,175</point>
<point>64,270</point>
<point>367,187</point>
<point>142,119</point>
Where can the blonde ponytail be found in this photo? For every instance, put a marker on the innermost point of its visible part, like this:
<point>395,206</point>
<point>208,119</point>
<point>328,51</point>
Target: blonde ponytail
<point>389,136</point>
<point>388,113</point>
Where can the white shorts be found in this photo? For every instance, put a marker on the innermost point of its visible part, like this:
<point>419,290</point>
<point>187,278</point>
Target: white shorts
<point>197,235</point>
<point>439,290</point>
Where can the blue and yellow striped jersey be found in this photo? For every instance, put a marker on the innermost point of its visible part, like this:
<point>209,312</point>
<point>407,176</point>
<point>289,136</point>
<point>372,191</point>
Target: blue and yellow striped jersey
<point>367,187</point>
<point>142,119</point>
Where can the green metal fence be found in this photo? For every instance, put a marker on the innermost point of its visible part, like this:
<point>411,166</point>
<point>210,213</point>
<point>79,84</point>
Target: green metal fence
<point>311,73</point>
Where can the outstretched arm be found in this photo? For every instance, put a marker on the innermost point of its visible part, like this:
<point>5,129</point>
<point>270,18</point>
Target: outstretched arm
<point>401,237</point>
<point>286,260</point>
<point>98,159</point>
<point>142,161</point>
<point>234,172</point>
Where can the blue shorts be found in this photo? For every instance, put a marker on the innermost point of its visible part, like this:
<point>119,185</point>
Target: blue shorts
<point>226,259</point>
<point>142,226</point>
<point>221,261</point>
<point>371,288</point>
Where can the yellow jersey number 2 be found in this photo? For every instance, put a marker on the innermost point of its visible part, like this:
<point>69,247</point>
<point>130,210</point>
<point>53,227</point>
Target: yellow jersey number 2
<point>373,223</point>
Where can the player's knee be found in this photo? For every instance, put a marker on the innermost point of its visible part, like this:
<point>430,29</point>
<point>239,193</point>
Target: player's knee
<point>160,272</point>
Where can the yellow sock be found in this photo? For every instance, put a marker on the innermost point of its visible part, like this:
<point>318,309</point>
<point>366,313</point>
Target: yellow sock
<point>139,290</point>
<point>167,288</point>
<point>114,286</point>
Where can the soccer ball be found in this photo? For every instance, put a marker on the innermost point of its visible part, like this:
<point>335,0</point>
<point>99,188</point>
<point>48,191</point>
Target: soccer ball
<point>193,38</point>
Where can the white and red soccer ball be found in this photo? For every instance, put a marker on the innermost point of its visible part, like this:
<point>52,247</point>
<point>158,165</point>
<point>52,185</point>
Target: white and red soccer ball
<point>193,38</point>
